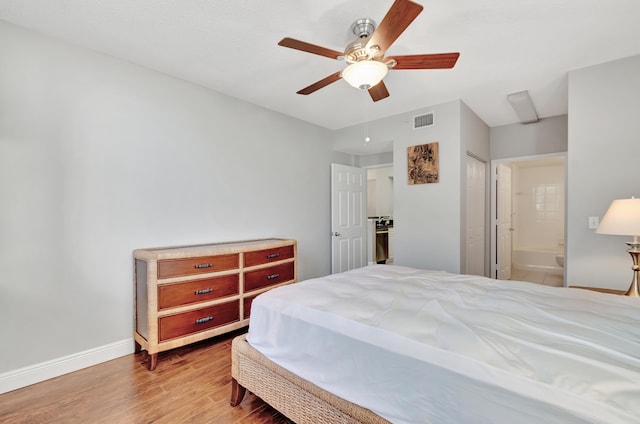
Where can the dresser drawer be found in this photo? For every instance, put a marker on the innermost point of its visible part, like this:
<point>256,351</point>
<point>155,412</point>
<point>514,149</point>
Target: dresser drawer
<point>168,268</point>
<point>202,319</point>
<point>185,293</point>
<point>268,255</point>
<point>268,276</point>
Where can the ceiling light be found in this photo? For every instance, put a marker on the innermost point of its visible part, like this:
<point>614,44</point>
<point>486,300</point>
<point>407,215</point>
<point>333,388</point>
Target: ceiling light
<point>522,104</point>
<point>365,74</point>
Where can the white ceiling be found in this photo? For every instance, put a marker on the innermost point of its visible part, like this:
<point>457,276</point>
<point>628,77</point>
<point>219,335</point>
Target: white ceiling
<point>231,46</point>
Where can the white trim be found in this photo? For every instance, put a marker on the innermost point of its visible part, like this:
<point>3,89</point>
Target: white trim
<point>32,374</point>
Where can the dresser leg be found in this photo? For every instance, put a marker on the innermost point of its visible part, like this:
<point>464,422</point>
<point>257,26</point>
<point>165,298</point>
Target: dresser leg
<point>237,393</point>
<point>136,347</point>
<point>152,361</point>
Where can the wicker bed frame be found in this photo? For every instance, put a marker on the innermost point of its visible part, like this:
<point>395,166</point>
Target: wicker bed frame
<point>293,396</point>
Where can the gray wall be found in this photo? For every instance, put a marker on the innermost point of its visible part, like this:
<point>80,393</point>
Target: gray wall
<point>375,160</point>
<point>99,157</point>
<point>548,135</point>
<point>602,165</point>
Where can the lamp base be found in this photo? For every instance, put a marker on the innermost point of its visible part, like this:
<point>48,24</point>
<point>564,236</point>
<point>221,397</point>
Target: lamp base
<point>634,251</point>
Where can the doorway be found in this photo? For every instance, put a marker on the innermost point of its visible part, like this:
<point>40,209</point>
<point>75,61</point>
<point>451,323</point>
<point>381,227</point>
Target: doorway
<point>380,221</point>
<point>528,219</point>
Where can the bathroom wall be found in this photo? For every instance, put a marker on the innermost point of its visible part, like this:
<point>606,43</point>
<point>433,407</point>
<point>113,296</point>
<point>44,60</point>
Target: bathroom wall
<point>538,204</point>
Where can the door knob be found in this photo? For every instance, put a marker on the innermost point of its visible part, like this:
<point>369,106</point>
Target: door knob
<point>336,234</point>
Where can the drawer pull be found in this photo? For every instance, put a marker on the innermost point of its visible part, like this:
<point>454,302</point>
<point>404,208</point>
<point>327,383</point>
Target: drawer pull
<point>204,291</point>
<point>272,276</point>
<point>273,255</point>
<point>203,266</point>
<point>203,320</point>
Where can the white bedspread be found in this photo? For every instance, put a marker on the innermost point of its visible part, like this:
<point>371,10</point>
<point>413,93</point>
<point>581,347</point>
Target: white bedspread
<point>420,346</point>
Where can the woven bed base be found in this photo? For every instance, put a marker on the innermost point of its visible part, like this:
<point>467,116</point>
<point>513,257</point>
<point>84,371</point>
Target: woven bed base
<point>293,396</point>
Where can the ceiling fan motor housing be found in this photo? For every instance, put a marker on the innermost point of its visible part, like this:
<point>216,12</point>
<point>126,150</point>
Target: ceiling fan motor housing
<point>363,27</point>
<point>356,50</point>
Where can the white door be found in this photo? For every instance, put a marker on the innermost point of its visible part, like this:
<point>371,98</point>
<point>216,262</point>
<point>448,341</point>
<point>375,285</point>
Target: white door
<point>503,222</point>
<point>348,218</point>
<point>476,191</point>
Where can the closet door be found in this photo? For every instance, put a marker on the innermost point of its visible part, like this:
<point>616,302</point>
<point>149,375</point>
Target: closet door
<point>476,191</point>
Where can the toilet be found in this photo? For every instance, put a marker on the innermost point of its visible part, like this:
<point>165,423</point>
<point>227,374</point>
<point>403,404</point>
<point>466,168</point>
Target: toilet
<point>560,258</point>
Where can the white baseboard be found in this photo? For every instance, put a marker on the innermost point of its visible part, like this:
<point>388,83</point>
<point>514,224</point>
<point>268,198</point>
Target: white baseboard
<point>27,376</point>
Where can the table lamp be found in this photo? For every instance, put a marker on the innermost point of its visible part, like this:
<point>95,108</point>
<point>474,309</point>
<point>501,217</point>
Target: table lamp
<point>623,218</point>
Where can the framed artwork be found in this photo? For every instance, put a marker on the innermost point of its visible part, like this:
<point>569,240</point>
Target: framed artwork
<point>422,163</point>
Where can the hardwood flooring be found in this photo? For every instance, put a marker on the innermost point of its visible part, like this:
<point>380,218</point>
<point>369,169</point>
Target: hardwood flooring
<point>190,385</point>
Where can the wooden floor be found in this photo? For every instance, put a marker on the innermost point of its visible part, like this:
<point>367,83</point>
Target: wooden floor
<point>189,385</point>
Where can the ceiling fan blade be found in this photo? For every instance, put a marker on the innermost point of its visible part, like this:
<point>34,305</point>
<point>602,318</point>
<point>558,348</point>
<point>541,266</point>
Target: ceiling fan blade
<point>379,91</point>
<point>397,19</point>
<point>320,84</point>
<point>309,48</point>
<point>426,61</point>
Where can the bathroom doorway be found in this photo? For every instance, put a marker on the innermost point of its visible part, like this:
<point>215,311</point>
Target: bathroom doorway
<point>535,229</point>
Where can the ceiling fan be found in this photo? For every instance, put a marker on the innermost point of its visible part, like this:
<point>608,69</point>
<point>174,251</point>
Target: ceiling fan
<point>367,65</point>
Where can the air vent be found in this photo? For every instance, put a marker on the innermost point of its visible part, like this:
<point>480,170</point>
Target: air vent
<point>422,121</point>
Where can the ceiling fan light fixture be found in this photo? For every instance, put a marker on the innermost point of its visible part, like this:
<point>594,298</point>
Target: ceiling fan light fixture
<point>366,65</point>
<point>365,74</point>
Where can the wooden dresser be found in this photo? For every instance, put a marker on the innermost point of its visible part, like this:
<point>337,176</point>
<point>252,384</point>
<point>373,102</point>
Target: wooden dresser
<point>189,293</point>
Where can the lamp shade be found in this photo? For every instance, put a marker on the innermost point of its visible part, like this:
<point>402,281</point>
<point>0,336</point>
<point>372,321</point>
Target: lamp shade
<point>364,74</point>
<point>622,218</point>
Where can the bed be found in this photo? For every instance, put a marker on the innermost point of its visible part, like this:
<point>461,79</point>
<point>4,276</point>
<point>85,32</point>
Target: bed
<point>387,343</point>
